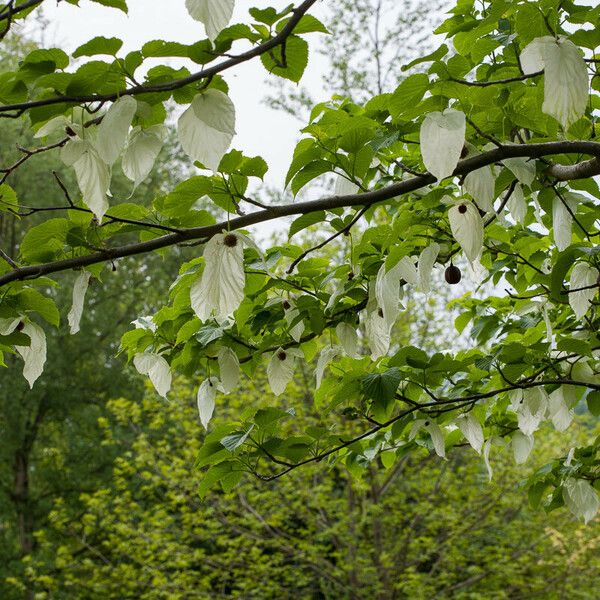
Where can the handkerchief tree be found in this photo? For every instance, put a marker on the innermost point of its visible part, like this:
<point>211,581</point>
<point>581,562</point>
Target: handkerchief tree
<point>480,166</point>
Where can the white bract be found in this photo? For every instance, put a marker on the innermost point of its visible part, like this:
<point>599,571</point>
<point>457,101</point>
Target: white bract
<point>214,14</point>
<point>562,221</point>
<point>296,329</point>
<point>522,445</point>
<point>113,130</point>
<point>558,410</point>
<point>93,175</point>
<point>378,334</point>
<point>387,291</point>
<point>532,409</point>
<point>517,206</point>
<point>7,326</point>
<point>480,185</point>
<point>582,371</point>
<point>345,187</point>
<point>377,328</point>
<point>471,428</point>
<point>280,369</point>
<point>348,337</point>
<point>229,368</point>
<point>34,355</point>
<point>566,81</point>
<point>442,140</point>
<point>206,399</point>
<point>207,127</point>
<point>156,368</point>
<point>549,334</point>
<point>325,357</point>
<point>406,269</point>
<point>486,458</point>
<point>426,262</point>
<point>55,124</point>
<point>79,289</point>
<point>522,168</point>
<point>142,150</point>
<point>466,225</point>
<point>220,290</point>
<point>435,433</point>
<point>583,275</point>
<point>581,498</point>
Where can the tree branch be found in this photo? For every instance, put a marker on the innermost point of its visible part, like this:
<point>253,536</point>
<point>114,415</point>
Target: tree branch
<point>582,170</point>
<point>497,81</point>
<point>9,11</point>
<point>169,86</point>
<point>458,402</point>
<point>328,203</point>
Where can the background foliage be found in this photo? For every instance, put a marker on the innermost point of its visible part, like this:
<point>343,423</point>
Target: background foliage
<point>105,490</point>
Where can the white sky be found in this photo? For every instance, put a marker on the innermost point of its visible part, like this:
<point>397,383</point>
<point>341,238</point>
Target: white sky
<point>261,131</point>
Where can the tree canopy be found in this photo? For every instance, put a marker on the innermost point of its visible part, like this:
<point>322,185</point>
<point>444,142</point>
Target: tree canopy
<point>476,174</point>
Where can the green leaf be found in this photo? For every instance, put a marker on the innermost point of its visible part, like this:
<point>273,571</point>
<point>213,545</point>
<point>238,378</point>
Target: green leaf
<point>433,56</point>
<point>43,242</point>
<point>8,198</point>
<point>536,492</point>
<point>562,264</point>
<point>593,403</point>
<point>311,171</point>
<point>208,334</point>
<point>381,387</point>
<point>306,221</point>
<point>215,474</point>
<point>408,94</point>
<point>34,301</point>
<point>289,64</point>
<point>234,440</point>
<point>99,45</point>
<point>120,4</point>
<point>307,24</point>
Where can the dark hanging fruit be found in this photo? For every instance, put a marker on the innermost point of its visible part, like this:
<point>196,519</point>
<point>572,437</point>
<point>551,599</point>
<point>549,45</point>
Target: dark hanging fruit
<point>286,305</point>
<point>453,275</point>
<point>462,209</point>
<point>230,240</point>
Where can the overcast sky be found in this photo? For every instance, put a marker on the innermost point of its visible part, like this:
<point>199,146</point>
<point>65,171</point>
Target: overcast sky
<point>261,131</point>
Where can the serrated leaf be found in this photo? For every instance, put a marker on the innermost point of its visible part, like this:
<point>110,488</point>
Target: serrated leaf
<point>381,387</point>
<point>290,65</point>
<point>306,221</point>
